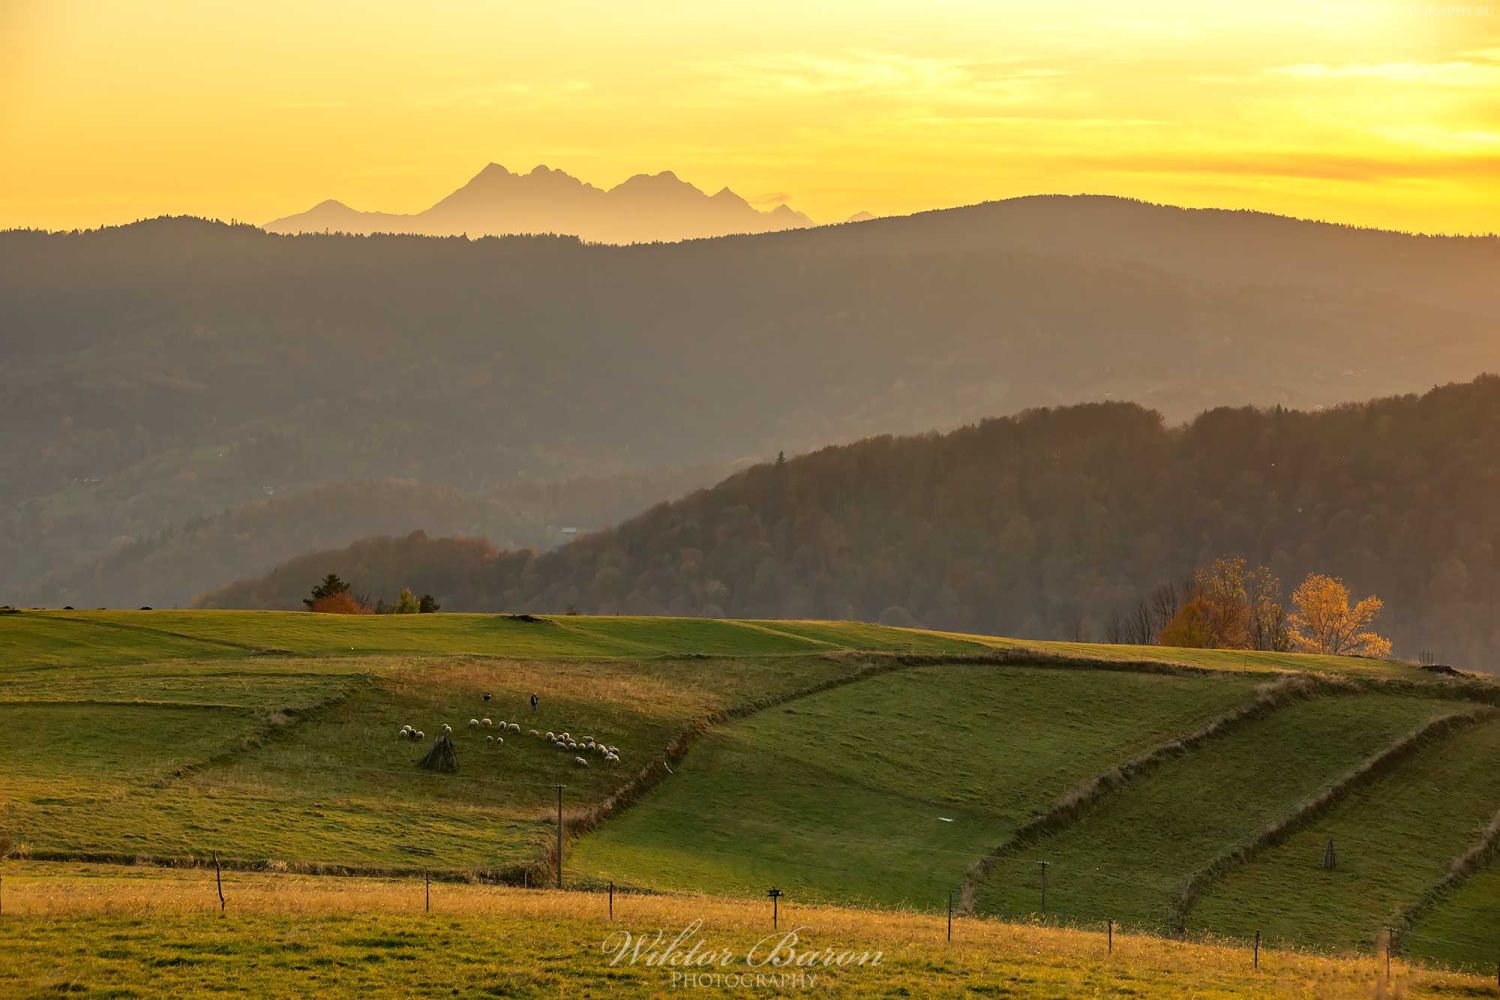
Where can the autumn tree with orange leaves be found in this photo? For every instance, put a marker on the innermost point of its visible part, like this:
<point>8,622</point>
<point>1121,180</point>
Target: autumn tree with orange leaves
<point>1323,621</point>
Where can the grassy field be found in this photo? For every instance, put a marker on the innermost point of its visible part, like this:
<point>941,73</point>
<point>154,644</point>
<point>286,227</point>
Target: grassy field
<point>1127,859</point>
<point>78,638</point>
<point>1393,839</point>
<point>136,932</point>
<point>753,752</point>
<point>883,792</point>
<point>102,637</point>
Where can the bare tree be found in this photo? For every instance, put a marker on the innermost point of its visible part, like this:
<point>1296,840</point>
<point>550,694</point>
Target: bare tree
<point>1268,615</point>
<point>1116,629</point>
<point>1166,601</point>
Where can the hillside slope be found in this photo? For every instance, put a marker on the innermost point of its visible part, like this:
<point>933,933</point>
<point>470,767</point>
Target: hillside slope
<point>173,369</point>
<point>842,761</point>
<point>1051,523</point>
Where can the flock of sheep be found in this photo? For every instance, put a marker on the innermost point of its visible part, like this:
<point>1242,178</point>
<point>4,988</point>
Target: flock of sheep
<point>562,741</point>
<point>504,727</point>
<point>566,741</point>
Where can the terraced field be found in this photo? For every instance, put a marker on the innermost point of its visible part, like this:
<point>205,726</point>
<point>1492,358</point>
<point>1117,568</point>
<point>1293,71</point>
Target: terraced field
<point>846,763</point>
<point>1131,857</point>
<point>1460,928</point>
<point>883,792</point>
<point>1393,838</point>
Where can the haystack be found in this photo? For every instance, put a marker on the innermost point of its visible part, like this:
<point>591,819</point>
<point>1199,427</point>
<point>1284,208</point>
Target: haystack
<point>442,756</point>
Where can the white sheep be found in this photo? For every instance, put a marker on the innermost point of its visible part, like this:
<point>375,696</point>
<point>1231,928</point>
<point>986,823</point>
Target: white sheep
<point>499,739</point>
<point>489,739</point>
<point>532,732</point>
<point>447,729</point>
<point>487,722</point>
<point>473,723</point>
<point>420,736</point>
<point>514,727</point>
<point>580,762</point>
<point>501,723</point>
<point>551,735</point>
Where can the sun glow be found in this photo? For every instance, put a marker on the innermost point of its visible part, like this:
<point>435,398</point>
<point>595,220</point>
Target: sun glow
<point>1379,112</point>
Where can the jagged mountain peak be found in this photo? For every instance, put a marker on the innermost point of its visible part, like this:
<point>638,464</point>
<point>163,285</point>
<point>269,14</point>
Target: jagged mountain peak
<point>646,207</point>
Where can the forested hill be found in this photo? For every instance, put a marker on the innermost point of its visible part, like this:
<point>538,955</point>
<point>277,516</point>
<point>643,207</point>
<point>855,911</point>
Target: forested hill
<point>1039,525</point>
<point>158,374</point>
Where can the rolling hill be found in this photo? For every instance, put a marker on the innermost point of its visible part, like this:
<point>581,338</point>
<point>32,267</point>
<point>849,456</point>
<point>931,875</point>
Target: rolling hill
<point>847,763</point>
<point>168,371</point>
<point>1053,523</point>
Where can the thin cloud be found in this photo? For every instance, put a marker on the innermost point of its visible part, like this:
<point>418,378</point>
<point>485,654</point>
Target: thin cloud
<point>1481,72</point>
<point>897,75</point>
<point>1307,166</point>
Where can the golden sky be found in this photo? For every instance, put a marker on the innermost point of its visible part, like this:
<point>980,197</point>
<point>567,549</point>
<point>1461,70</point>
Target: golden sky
<point>1379,113</point>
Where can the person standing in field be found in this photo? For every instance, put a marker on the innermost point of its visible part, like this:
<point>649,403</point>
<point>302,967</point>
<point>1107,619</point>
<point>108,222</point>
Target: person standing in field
<point>533,703</point>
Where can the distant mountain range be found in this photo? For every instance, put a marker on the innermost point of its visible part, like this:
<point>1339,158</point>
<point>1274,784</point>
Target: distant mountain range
<point>644,209</point>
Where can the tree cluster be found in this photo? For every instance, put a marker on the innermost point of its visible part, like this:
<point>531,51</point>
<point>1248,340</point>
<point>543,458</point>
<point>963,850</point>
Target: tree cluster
<point>1232,605</point>
<point>334,596</point>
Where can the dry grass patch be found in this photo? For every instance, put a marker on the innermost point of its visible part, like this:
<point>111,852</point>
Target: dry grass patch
<point>140,932</point>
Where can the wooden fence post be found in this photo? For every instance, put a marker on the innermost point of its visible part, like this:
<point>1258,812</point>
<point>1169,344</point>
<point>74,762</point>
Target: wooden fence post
<point>219,880</point>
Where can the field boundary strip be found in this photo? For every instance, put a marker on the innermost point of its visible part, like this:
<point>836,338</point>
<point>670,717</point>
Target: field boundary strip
<point>6,702</point>
<point>1071,806</point>
<point>770,630</point>
<point>1371,770</point>
<point>1479,855</point>
<point>153,630</point>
